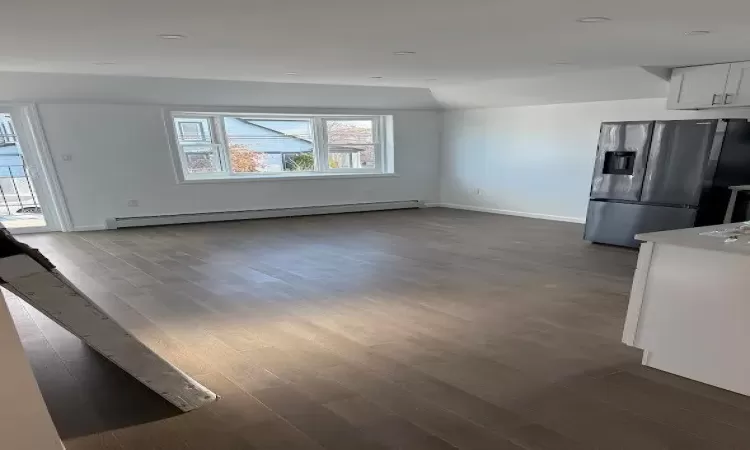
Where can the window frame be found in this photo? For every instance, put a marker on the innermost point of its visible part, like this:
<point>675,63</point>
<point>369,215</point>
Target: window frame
<point>218,135</point>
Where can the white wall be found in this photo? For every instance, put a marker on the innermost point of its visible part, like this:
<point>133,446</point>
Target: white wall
<point>114,130</point>
<point>527,159</point>
<point>535,160</point>
<point>121,153</point>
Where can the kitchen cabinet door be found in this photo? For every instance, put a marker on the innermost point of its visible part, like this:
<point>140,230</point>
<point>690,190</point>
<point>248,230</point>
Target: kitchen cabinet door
<point>698,87</point>
<point>738,85</point>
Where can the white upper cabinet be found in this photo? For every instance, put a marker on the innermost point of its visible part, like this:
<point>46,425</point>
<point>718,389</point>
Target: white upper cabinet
<point>698,87</point>
<point>714,86</point>
<point>738,85</point>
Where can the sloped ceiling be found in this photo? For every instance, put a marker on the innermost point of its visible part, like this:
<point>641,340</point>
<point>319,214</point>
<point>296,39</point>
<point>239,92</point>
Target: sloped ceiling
<point>588,86</point>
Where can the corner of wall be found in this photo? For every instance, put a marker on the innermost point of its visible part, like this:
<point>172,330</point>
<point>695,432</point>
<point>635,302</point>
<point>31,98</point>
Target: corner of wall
<point>438,184</point>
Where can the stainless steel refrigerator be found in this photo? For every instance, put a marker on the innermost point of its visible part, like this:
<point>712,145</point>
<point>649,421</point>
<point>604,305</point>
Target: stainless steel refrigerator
<point>663,175</point>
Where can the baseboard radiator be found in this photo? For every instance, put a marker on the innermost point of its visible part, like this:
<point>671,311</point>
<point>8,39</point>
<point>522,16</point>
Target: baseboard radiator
<point>147,221</point>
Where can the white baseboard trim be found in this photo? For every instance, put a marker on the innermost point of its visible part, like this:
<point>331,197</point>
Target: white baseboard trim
<point>89,228</point>
<point>507,212</point>
<point>126,222</point>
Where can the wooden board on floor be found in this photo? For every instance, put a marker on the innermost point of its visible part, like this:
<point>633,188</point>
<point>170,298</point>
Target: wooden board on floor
<point>30,276</point>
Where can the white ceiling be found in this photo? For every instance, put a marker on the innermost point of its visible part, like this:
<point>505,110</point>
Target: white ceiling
<point>349,41</point>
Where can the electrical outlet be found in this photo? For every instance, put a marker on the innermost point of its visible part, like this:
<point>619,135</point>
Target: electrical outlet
<point>132,203</point>
<point>67,157</point>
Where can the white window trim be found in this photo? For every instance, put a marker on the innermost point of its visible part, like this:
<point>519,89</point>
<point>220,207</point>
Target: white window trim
<point>302,176</point>
<point>382,126</point>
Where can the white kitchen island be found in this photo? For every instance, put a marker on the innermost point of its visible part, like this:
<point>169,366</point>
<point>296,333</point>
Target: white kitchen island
<point>690,306</point>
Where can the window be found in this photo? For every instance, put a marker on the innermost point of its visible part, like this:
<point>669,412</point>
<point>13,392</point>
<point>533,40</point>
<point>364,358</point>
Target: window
<point>269,145</point>
<point>192,131</point>
<point>351,143</point>
<point>215,146</point>
<point>199,151</point>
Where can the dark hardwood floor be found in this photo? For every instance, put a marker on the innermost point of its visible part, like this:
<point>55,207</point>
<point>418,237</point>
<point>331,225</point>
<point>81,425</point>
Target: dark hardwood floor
<point>420,329</point>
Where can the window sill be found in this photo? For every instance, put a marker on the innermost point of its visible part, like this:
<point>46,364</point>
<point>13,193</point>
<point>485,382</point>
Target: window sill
<point>326,176</point>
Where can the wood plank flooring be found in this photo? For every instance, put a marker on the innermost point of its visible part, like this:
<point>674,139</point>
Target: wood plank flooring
<point>420,329</point>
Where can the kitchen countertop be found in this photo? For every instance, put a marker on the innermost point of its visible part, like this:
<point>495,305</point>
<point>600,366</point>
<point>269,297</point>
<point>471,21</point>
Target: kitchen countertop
<point>691,237</point>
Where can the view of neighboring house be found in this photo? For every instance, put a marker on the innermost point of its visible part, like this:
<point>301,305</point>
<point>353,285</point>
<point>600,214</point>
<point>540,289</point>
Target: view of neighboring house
<point>277,140</point>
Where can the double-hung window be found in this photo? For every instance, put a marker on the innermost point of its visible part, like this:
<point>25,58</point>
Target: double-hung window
<point>216,146</point>
<point>199,152</point>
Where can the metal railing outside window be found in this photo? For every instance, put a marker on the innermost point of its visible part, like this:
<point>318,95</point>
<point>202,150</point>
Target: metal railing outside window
<point>17,196</point>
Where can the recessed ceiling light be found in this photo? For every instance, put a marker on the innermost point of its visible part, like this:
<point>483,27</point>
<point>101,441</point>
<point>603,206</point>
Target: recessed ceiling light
<point>697,33</point>
<point>104,63</point>
<point>562,63</point>
<point>431,79</point>
<point>376,78</point>
<point>291,73</point>
<point>404,53</point>
<point>593,19</point>
<point>172,36</point>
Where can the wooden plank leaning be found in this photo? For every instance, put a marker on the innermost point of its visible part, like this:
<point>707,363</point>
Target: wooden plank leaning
<point>25,272</point>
